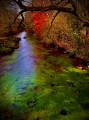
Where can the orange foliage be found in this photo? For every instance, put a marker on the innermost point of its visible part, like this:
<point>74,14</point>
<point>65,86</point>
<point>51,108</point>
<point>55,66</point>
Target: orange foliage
<point>38,20</point>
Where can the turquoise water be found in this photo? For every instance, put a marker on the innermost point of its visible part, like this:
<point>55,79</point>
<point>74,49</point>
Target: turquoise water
<point>39,83</point>
<point>17,72</point>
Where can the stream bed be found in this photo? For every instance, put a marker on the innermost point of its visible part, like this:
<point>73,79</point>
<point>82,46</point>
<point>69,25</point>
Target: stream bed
<point>37,83</point>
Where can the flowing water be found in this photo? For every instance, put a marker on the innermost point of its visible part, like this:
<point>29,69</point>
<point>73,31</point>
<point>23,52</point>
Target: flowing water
<point>39,83</point>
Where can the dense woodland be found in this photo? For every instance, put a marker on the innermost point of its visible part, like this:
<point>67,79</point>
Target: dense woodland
<point>64,23</point>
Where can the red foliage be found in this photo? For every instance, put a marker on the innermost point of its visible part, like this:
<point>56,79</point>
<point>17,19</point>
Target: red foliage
<point>38,20</point>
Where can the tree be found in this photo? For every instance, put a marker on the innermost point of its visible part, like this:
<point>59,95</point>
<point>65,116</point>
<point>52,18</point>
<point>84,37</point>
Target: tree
<point>38,20</point>
<point>77,7</point>
<point>7,15</point>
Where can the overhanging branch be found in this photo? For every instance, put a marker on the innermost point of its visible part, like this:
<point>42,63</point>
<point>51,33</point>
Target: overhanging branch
<point>53,20</point>
<point>20,13</point>
<point>43,8</point>
<point>21,20</point>
<point>59,7</point>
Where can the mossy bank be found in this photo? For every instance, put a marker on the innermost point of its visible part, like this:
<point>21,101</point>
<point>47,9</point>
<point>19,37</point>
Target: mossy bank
<point>8,44</point>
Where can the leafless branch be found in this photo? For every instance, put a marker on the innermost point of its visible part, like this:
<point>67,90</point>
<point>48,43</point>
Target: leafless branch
<point>63,2</point>
<point>21,20</point>
<point>53,20</point>
<point>20,13</point>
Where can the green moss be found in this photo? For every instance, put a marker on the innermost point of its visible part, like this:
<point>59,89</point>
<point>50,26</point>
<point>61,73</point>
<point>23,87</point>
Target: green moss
<point>58,86</point>
<point>10,38</point>
<point>72,52</point>
<point>4,47</point>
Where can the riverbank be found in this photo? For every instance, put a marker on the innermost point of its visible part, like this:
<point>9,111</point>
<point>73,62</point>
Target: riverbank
<point>76,61</point>
<point>72,54</point>
<point>8,44</point>
<point>69,34</point>
<point>55,50</point>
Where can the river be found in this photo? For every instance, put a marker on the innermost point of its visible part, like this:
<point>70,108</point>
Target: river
<point>39,83</point>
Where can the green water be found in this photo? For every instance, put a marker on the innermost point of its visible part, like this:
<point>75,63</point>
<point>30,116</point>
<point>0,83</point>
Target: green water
<point>37,83</point>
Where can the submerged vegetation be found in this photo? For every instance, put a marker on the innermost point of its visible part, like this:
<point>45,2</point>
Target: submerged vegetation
<point>55,90</point>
